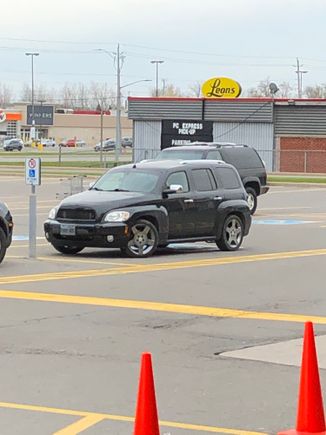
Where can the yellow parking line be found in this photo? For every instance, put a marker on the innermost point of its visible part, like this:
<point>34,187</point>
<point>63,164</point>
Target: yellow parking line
<point>80,425</point>
<point>74,260</point>
<point>197,310</point>
<point>155,267</point>
<point>87,416</point>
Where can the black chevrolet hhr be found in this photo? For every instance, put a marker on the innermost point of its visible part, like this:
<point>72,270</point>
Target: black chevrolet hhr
<point>143,206</point>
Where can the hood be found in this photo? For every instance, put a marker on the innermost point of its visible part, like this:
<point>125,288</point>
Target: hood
<point>102,202</point>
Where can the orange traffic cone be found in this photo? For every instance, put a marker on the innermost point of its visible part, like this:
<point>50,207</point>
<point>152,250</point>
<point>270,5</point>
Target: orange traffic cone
<point>146,421</point>
<point>310,417</point>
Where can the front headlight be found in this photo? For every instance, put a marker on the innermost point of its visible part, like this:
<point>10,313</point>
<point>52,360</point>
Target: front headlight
<point>117,216</point>
<point>53,213</point>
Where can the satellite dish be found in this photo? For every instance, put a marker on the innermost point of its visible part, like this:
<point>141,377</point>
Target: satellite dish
<point>273,88</point>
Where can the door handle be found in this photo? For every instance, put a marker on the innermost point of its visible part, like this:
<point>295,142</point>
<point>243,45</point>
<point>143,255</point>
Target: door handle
<point>188,200</point>
<point>217,198</point>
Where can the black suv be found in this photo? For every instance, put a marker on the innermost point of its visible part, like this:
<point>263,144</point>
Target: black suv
<point>143,206</point>
<point>6,227</point>
<point>243,157</point>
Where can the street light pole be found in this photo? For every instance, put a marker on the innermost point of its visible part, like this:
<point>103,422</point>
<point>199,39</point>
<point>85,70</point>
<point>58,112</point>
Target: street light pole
<point>118,58</point>
<point>32,133</point>
<point>156,62</point>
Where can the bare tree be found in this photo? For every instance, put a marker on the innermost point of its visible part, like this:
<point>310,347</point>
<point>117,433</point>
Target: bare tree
<point>262,89</point>
<point>102,95</point>
<point>26,93</point>
<point>195,89</point>
<point>285,90</point>
<point>5,95</point>
<point>317,91</point>
<point>169,90</point>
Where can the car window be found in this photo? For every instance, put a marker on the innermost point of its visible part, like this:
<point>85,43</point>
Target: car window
<point>204,180</point>
<point>229,178</point>
<point>180,155</point>
<point>242,157</point>
<point>132,181</point>
<point>178,178</point>
<point>214,155</point>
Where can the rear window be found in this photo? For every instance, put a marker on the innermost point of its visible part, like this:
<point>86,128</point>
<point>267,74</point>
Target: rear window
<point>241,158</point>
<point>214,155</point>
<point>180,155</point>
<point>228,177</point>
<point>204,180</point>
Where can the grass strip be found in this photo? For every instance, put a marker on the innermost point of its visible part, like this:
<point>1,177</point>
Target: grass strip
<point>296,179</point>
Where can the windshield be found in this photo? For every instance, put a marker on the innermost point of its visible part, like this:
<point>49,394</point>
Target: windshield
<point>127,181</point>
<point>180,155</point>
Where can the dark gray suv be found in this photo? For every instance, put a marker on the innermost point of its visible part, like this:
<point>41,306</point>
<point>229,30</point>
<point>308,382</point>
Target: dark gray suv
<point>6,228</point>
<point>244,158</point>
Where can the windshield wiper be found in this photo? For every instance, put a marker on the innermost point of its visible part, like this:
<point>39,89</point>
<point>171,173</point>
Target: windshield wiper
<point>119,190</point>
<point>97,188</point>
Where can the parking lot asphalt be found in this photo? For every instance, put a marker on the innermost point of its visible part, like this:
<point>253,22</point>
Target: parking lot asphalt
<point>73,328</point>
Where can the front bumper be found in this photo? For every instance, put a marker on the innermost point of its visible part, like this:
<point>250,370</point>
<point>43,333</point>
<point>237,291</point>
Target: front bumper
<point>95,235</point>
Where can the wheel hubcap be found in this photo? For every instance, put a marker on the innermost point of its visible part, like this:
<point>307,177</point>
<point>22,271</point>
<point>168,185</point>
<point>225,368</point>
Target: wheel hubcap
<point>251,201</point>
<point>233,233</point>
<point>143,240</point>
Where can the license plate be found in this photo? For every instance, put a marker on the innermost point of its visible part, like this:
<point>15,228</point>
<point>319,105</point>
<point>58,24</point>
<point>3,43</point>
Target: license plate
<point>67,230</point>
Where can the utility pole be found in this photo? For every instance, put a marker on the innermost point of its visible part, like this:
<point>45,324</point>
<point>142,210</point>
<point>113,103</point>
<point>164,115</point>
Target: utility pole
<point>119,58</point>
<point>157,63</point>
<point>299,73</point>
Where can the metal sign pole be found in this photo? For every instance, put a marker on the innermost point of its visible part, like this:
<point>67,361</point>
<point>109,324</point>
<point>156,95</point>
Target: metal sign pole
<point>32,177</point>
<point>32,223</point>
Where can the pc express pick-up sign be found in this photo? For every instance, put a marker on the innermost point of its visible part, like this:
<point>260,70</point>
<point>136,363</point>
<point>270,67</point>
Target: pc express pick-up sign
<point>221,87</point>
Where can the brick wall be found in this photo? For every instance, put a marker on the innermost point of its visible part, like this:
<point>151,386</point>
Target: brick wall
<point>302,154</point>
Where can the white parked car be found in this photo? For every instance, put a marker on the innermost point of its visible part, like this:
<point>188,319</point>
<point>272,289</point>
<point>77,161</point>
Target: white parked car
<point>48,142</point>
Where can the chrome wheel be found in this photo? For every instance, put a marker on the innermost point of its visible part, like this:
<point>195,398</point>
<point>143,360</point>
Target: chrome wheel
<point>232,234</point>
<point>144,239</point>
<point>251,199</point>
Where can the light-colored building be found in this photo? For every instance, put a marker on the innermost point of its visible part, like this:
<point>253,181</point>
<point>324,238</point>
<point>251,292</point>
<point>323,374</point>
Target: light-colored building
<point>69,125</point>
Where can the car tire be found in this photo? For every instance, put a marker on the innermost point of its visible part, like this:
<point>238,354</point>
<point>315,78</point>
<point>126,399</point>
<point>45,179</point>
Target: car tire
<point>232,234</point>
<point>144,240</point>
<point>68,250</point>
<point>252,199</point>
<point>3,244</point>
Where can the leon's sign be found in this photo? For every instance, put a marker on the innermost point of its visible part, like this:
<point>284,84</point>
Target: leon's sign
<point>221,87</point>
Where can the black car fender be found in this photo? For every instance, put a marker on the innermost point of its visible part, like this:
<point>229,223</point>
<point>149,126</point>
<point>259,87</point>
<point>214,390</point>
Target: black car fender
<point>237,207</point>
<point>158,215</point>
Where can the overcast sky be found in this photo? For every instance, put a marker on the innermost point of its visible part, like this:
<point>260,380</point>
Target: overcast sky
<point>247,40</point>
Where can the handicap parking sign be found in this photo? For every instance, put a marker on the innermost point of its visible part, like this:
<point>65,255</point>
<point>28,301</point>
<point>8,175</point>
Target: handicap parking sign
<point>33,171</point>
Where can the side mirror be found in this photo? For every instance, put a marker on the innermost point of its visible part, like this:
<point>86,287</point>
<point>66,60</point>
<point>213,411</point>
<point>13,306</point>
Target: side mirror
<point>91,184</point>
<point>174,188</point>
